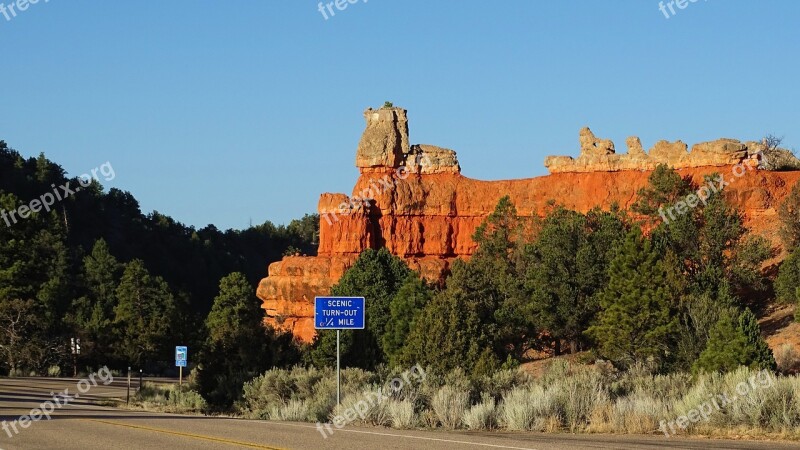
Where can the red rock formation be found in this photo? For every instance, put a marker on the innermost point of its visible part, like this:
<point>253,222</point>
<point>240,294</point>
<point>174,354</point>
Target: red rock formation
<point>427,214</point>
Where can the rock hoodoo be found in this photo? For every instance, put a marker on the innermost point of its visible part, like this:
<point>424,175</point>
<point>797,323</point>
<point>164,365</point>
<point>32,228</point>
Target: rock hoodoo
<point>598,155</point>
<point>413,200</point>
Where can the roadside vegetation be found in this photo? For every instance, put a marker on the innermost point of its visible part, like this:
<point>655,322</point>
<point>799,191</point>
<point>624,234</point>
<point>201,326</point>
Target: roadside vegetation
<point>170,398</point>
<point>567,398</point>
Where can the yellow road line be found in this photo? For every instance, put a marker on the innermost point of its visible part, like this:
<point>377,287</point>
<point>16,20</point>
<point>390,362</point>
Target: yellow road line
<point>188,435</point>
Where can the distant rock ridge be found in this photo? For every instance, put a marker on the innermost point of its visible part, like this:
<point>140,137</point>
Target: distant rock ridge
<point>598,155</point>
<point>413,201</point>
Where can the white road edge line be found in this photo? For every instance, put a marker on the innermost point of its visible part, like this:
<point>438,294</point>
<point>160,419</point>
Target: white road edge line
<point>480,444</point>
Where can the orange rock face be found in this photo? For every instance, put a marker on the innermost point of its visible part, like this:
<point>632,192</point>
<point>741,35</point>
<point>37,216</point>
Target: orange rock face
<point>428,217</point>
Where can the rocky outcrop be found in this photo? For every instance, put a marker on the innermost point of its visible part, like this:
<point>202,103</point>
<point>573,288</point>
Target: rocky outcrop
<point>385,140</point>
<point>428,159</point>
<point>598,155</point>
<point>414,201</point>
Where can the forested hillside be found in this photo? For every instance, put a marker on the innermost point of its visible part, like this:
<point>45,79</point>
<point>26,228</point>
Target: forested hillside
<point>129,284</point>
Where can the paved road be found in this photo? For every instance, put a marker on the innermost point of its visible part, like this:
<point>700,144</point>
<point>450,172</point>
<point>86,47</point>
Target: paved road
<point>82,424</point>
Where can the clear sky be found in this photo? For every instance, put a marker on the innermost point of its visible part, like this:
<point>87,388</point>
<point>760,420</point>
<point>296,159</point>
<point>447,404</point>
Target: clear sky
<point>225,112</point>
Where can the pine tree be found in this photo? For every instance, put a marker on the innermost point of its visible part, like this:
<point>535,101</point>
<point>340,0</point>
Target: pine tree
<point>404,311</point>
<point>636,320</point>
<point>451,333</point>
<point>93,313</point>
<point>143,315</point>
<point>735,340</point>
<point>788,280</point>
<point>235,315</point>
<point>760,356</point>
<point>566,267</point>
<point>789,215</point>
<point>237,348</point>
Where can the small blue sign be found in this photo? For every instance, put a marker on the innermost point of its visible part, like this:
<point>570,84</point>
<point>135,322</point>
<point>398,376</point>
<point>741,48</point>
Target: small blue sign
<point>181,355</point>
<point>339,313</point>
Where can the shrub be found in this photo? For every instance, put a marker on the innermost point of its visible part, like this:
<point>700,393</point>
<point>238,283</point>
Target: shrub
<point>482,416</point>
<point>293,411</point>
<point>374,409</point>
<point>528,408</point>
<point>449,404</point>
<point>169,398</point>
<point>401,413</point>
<point>787,359</point>
<point>576,397</point>
<point>186,401</point>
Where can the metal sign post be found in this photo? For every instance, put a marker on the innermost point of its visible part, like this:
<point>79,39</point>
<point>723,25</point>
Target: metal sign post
<point>338,370</point>
<point>339,313</point>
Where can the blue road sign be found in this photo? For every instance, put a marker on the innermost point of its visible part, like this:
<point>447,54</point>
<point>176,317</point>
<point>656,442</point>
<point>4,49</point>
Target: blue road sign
<point>181,355</point>
<point>339,313</point>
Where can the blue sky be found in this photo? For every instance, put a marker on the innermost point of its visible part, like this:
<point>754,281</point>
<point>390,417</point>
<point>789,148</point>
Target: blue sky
<point>227,112</point>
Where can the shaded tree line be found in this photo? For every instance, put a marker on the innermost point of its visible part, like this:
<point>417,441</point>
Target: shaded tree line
<point>129,285</point>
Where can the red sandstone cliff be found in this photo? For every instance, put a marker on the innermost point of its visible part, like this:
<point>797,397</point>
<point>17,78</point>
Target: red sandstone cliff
<point>414,201</point>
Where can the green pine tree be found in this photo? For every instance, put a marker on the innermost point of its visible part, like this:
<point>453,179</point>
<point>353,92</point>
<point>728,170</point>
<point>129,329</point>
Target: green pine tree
<point>93,313</point>
<point>235,315</point>
<point>789,215</point>
<point>404,311</point>
<point>238,345</point>
<point>735,340</point>
<point>788,279</point>
<point>451,333</point>
<point>566,267</point>
<point>143,315</point>
<point>636,321</point>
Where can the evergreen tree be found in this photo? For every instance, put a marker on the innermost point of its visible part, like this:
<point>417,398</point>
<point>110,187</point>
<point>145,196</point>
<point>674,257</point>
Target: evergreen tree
<point>143,315</point>
<point>491,282</point>
<point>697,317</point>
<point>93,313</point>
<point>235,314</point>
<point>761,355</point>
<point>788,280</point>
<point>451,333</point>
<point>708,241</point>
<point>404,311</point>
<point>566,267</point>
<point>734,341</point>
<point>238,344</point>
<point>789,215</point>
<point>636,320</point>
